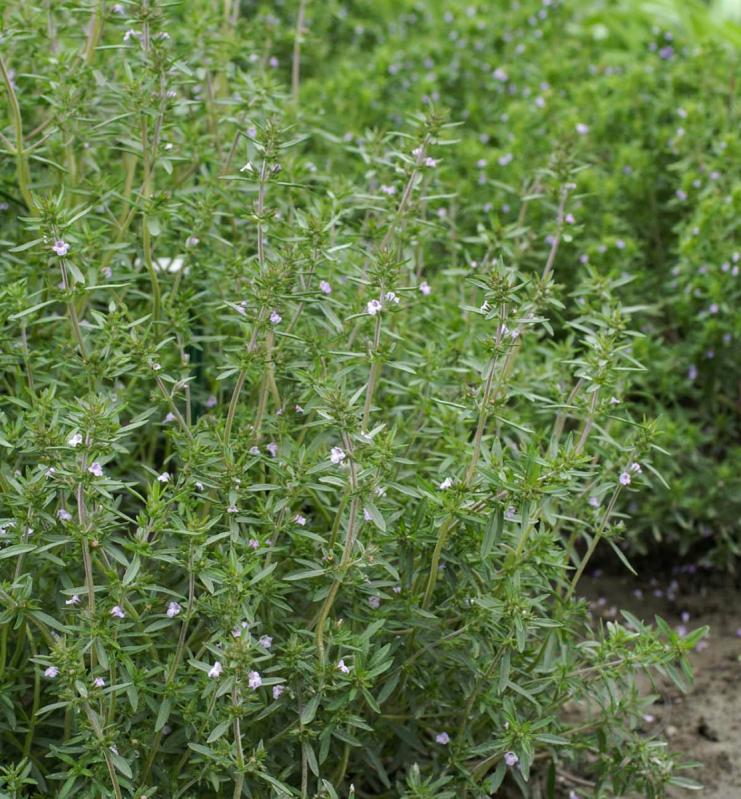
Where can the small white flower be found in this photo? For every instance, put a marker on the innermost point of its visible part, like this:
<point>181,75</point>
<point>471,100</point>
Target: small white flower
<point>446,483</point>
<point>173,609</point>
<point>232,509</point>
<point>594,502</point>
<point>298,409</point>
<point>299,519</point>
<point>582,129</point>
<point>64,515</point>
<point>275,318</point>
<point>373,307</point>
<point>254,450</point>
<point>51,672</point>
<point>73,600</point>
<point>635,468</point>
<point>95,469</point>
<point>391,297</point>
<point>117,611</point>
<point>164,477</point>
<point>192,241</point>
<point>75,440</point>
<point>625,479</point>
<point>325,287</point>
<point>337,455</point>
<point>99,682</point>
<point>50,472</point>
<point>265,641</point>
<point>215,670</point>
<point>442,738</point>
<point>254,680</point>
<point>278,691</point>
<point>272,448</point>
<point>60,247</point>
<point>343,668</point>
<point>131,34</point>
<point>374,602</point>
<point>425,288</point>
<point>367,514</point>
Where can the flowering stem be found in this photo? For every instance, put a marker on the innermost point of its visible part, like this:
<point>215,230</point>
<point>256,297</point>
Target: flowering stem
<point>259,211</point>
<point>171,402</point>
<point>346,551</point>
<point>72,311</point>
<point>593,543</point>
<point>22,170</point>
<point>97,729</point>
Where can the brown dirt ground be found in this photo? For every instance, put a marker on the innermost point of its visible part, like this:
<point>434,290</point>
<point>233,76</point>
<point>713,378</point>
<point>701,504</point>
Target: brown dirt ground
<point>705,724</point>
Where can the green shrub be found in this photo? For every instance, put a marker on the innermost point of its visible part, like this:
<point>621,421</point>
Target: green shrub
<point>307,441</point>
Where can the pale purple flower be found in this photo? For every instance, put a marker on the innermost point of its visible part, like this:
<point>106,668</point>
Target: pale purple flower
<point>325,287</point>
<point>594,502</point>
<point>431,162</point>
<point>388,189</point>
<point>298,409</point>
<point>374,602</point>
<point>99,682</point>
<point>164,477</point>
<point>192,241</point>
<point>273,62</point>
<point>232,509</point>
<point>275,318</point>
<point>505,159</point>
<point>169,417</point>
<point>620,244</point>
<point>425,288</point>
<point>95,469</point>
<point>64,515</point>
<point>373,307</point>
<point>635,468</point>
<point>713,309</point>
<point>75,440</point>
<point>131,33</point>
<point>367,515</point>
<point>254,450</point>
<point>73,600</point>
<point>343,668</point>
<point>501,75</point>
<point>254,680</point>
<point>51,672</point>
<point>569,219</point>
<point>337,455</point>
<point>60,247</point>
<point>278,691</point>
<point>118,9</point>
<point>50,472</point>
<point>390,296</point>
<point>692,372</point>
<point>511,759</point>
<point>299,519</point>
<point>446,483</point>
<point>199,485</point>
<point>253,543</point>
<point>442,738</point>
<point>215,670</point>
<point>272,448</point>
<point>211,401</point>
<point>265,641</point>
<point>173,609</point>
<point>582,129</point>
<point>117,611</point>
<point>625,479</point>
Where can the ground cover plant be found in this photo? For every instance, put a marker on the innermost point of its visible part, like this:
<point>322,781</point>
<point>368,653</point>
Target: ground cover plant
<point>336,344</point>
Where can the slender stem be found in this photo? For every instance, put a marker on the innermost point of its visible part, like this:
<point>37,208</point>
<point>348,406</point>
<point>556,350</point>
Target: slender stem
<point>94,31</point>
<point>593,543</point>
<point>239,779</point>
<point>72,311</point>
<point>298,38</point>
<point>22,170</point>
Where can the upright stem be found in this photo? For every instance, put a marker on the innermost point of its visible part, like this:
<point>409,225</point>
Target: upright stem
<point>94,31</point>
<point>346,551</point>
<point>259,211</point>
<point>239,779</point>
<point>296,66</point>
<point>22,171</point>
<point>593,544</point>
<point>72,311</point>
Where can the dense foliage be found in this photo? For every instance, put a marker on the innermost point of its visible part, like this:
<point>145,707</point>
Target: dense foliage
<point>336,339</point>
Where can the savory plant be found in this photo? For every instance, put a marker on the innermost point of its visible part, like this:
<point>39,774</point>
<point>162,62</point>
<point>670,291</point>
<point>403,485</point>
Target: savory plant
<point>306,444</point>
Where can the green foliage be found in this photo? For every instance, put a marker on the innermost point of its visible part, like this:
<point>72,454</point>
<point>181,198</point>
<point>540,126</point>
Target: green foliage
<point>317,405</point>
